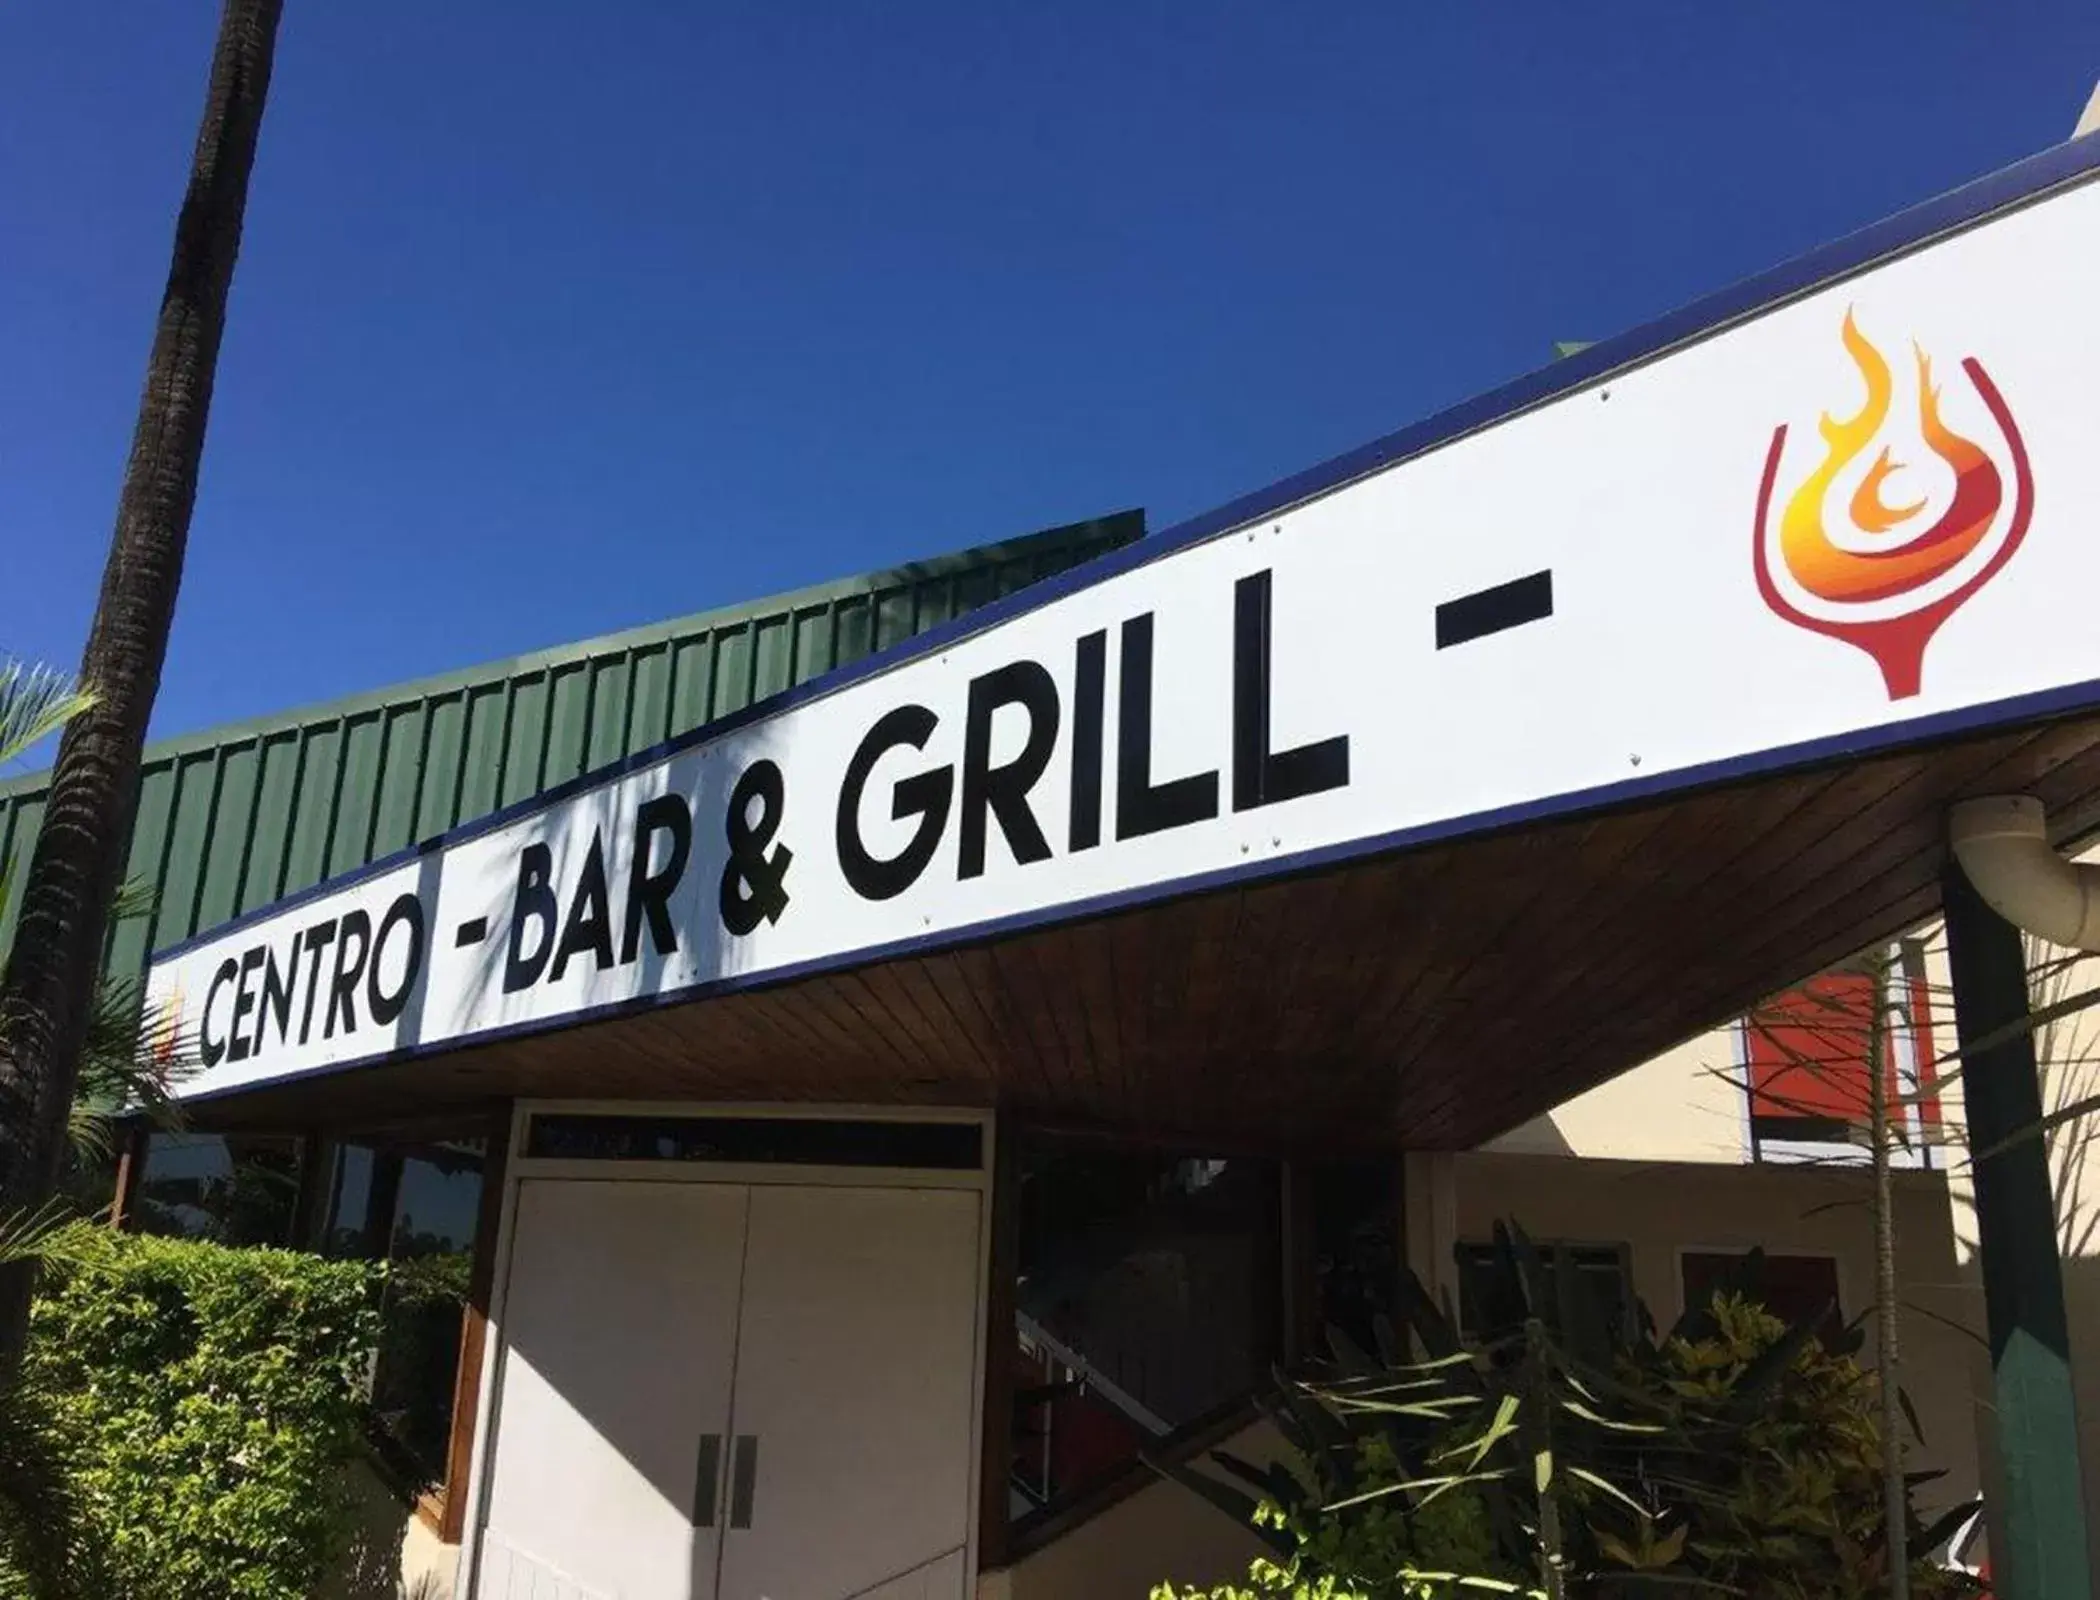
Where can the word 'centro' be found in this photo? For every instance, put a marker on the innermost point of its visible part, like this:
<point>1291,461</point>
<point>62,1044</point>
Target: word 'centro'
<point>384,964</point>
<point>562,910</point>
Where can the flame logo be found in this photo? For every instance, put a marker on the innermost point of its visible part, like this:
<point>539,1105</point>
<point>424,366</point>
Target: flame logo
<point>1903,568</point>
<point>163,1031</point>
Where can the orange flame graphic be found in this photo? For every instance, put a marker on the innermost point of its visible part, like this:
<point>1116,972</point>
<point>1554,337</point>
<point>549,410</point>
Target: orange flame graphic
<point>1892,565</point>
<point>163,1030</point>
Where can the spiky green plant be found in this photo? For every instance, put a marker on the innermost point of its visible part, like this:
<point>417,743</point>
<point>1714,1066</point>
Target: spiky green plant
<point>1736,1454</point>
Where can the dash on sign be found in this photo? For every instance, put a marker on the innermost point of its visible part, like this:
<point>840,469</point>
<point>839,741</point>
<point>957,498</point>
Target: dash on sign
<point>1485,611</point>
<point>472,931</point>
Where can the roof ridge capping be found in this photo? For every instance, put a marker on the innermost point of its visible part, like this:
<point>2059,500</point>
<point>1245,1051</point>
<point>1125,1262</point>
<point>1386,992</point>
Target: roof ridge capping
<point>1120,527</point>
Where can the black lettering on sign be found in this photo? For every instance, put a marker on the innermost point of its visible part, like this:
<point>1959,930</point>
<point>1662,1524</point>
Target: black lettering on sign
<point>277,994</point>
<point>1089,684</point>
<point>1261,776</point>
<point>1003,791</point>
<point>353,945</point>
<point>243,1003</point>
<point>1143,806</point>
<point>318,938</point>
<point>406,913</point>
<point>214,1050</point>
<point>1486,611</point>
<point>649,892</point>
<point>589,924</point>
<point>532,906</point>
<point>925,795</point>
<point>752,890</point>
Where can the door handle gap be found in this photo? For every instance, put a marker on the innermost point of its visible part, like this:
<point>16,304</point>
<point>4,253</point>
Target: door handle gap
<point>743,1479</point>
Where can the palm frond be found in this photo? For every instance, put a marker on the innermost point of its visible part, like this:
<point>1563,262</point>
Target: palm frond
<point>45,1234</point>
<point>134,898</point>
<point>35,702</point>
<point>92,1132</point>
<point>133,1061</point>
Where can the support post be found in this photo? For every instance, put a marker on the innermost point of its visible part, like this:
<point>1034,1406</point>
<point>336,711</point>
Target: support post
<point>2042,1521</point>
<point>131,1172</point>
<point>1429,1214</point>
<point>995,1469</point>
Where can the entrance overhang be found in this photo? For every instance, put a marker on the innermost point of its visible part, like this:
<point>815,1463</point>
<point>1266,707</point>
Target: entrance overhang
<point>1392,805</point>
<point>1431,999</point>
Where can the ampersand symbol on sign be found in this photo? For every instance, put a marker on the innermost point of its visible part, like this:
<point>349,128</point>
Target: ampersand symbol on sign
<point>751,882</point>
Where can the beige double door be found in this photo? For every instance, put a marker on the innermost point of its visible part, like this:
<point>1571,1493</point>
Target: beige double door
<point>743,1391</point>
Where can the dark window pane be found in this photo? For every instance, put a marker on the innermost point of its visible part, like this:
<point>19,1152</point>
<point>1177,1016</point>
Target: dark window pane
<point>1591,1297</point>
<point>234,1188</point>
<point>346,1227</point>
<point>1356,1250</point>
<point>770,1141</point>
<point>1146,1300</point>
<point>1793,1288</point>
<point>437,1199</point>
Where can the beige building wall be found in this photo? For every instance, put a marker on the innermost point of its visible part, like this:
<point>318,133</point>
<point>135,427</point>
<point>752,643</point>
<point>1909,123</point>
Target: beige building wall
<point>1684,1105</point>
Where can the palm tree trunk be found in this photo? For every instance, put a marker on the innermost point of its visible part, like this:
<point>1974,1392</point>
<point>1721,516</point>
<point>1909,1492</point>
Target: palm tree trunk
<point>80,850</point>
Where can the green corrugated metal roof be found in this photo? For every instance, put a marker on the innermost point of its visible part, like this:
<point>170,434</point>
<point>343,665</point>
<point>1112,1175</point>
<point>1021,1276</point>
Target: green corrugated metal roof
<point>238,816</point>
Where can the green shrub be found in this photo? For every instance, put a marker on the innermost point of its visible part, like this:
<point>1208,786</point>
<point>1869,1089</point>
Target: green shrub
<point>212,1397</point>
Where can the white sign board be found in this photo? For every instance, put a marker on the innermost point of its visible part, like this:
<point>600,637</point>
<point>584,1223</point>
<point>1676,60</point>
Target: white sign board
<point>1868,513</point>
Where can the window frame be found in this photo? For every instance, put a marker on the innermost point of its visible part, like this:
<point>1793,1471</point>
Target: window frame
<point>136,1159</point>
<point>450,1510</point>
<point>440,1507</point>
<point>1737,1252</point>
<point>1553,1249</point>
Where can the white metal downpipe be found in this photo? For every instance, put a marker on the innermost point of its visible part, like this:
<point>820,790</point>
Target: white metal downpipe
<point>2002,844</point>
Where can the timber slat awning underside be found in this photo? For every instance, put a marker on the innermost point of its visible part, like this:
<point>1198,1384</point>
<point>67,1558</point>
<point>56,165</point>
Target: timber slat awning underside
<point>1431,999</point>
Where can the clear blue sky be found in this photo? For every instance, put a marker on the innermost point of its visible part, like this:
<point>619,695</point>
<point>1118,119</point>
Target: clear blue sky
<point>557,318</point>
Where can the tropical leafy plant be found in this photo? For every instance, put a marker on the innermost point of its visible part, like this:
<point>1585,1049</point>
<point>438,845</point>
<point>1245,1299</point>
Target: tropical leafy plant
<point>1736,1454</point>
<point>1794,1509</point>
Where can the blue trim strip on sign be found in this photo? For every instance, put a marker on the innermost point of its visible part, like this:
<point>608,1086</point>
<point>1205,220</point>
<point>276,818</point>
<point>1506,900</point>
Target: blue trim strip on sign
<point>1919,730</point>
<point>2055,168</point>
